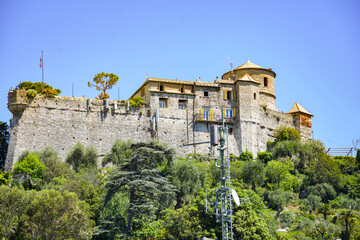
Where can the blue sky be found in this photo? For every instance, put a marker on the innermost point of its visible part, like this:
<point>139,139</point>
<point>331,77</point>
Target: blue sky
<point>313,46</point>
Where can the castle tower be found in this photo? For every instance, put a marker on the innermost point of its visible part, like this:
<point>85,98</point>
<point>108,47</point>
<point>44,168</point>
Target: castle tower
<point>265,77</point>
<point>255,87</point>
<point>302,120</point>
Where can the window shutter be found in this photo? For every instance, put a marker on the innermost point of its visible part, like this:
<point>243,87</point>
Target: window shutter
<point>201,114</point>
<point>211,115</point>
<point>166,103</point>
<point>234,94</point>
<point>224,113</point>
<point>233,112</point>
<point>225,94</point>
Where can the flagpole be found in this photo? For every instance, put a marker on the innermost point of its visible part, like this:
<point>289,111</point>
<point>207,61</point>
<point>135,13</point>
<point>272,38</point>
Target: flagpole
<point>42,69</point>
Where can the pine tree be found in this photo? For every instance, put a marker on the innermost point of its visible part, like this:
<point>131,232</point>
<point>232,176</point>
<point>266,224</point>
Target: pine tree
<point>148,188</point>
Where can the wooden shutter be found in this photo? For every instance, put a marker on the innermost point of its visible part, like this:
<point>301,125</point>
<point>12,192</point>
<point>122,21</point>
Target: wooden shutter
<point>201,114</point>
<point>211,115</point>
<point>233,112</point>
<point>234,94</point>
<point>224,113</point>
<point>225,94</point>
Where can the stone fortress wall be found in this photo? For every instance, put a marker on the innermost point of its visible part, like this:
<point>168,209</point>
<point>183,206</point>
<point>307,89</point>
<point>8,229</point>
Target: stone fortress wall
<point>61,122</point>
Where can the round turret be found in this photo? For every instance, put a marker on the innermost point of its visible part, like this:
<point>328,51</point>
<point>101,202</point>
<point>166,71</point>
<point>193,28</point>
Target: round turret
<point>265,78</point>
<point>17,101</point>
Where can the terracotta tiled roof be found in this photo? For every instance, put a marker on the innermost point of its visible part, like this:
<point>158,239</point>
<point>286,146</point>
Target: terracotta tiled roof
<point>298,108</point>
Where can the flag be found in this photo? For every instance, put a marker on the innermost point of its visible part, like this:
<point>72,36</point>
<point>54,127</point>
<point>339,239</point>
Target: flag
<point>40,62</point>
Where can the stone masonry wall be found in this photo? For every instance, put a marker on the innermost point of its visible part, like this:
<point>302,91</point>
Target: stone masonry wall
<point>61,122</point>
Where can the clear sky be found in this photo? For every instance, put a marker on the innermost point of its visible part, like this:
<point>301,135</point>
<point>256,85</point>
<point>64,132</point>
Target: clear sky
<point>313,46</point>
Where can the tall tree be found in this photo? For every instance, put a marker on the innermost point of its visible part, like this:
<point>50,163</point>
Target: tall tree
<point>103,82</point>
<point>149,190</point>
<point>80,157</point>
<point>189,177</point>
<point>253,173</point>
<point>4,142</point>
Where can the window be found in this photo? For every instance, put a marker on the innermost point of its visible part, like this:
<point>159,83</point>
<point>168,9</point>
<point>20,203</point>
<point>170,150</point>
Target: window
<point>206,94</point>
<point>254,96</point>
<point>229,95</point>
<point>182,89</point>
<point>265,81</point>
<point>161,87</point>
<point>231,131</point>
<point>229,113</point>
<point>182,104</point>
<point>163,103</point>
<point>206,113</point>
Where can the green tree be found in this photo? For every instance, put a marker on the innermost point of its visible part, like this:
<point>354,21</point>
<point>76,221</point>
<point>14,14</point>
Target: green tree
<point>323,169</point>
<point>277,171</point>
<point>324,190</point>
<point>4,142</point>
<point>248,225</point>
<point>189,177</point>
<point>13,203</point>
<point>55,215</point>
<point>325,230</point>
<point>284,133</point>
<point>311,202</point>
<point>120,153</point>
<point>264,157</point>
<point>278,200</point>
<point>246,156</point>
<point>80,157</point>
<point>253,173</point>
<point>149,191</point>
<point>350,219</point>
<point>29,171</point>
<point>103,82</point>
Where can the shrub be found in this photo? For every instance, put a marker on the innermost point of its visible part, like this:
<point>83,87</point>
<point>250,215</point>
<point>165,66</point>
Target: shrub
<point>80,157</point>
<point>136,102</point>
<point>264,157</point>
<point>284,133</point>
<point>40,88</point>
<point>31,93</point>
<point>246,156</point>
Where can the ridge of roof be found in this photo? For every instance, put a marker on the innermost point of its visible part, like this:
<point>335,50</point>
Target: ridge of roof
<point>249,64</point>
<point>298,108</point>
<point>247,78</point>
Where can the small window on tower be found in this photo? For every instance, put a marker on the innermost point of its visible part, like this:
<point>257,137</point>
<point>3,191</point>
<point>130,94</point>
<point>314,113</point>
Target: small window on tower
<point>161,87</point>
<point>254,96</point>
<point>206,94</point>
<point>182,89</point>
<point>265,81</point>
<point>229,95</point>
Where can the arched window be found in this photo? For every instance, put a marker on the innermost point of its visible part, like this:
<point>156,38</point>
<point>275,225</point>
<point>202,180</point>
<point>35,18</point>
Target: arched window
<point>254,96</point>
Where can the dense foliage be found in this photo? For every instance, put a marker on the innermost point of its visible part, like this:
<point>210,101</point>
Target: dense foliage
<point>143,191</point>
<point>4,142</point>
<point>32,89</point>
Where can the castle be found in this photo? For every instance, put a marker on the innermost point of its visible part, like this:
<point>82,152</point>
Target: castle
<point>176,112</point>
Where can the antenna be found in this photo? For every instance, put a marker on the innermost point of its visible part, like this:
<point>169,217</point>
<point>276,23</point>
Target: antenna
<point>223,207</point>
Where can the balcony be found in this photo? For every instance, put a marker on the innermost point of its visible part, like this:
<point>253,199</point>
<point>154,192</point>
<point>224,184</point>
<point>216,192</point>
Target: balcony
<point>210,117</point>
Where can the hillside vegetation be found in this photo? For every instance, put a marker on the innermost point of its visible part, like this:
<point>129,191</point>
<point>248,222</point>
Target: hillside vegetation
<point>144,191</point>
